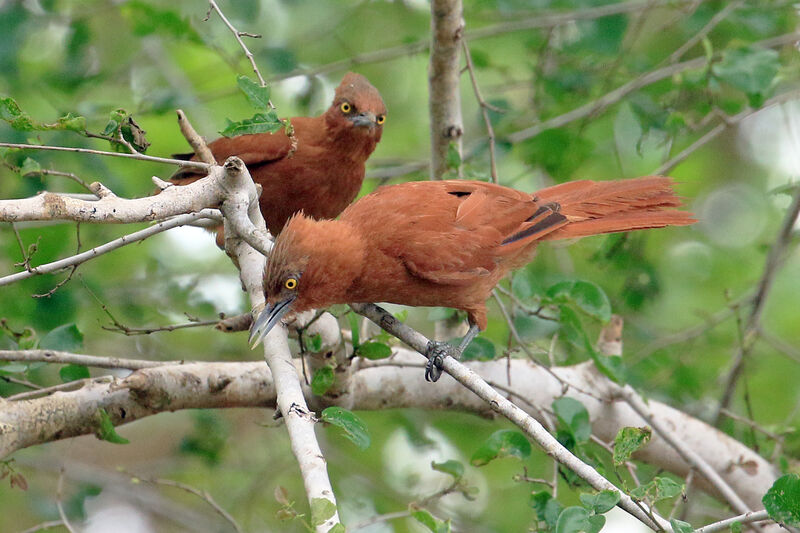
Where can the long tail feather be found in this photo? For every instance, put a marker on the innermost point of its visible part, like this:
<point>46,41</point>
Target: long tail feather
<point>606,207</point>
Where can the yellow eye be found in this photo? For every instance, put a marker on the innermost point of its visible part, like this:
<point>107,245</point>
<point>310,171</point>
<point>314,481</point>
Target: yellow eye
<point>381,119</point>
<point>345,107</point>
<point>290,284</point>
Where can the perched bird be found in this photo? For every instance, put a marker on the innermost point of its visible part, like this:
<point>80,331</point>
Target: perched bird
<point>323,174</point>
<point>445,243</point>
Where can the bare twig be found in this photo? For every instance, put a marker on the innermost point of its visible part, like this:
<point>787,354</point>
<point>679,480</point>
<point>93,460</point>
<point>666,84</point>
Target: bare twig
<point>59,495</point>
<point>44,525</point>
<point>202,494</point>
<point>774,260</point>
<point>69,358</point>
<point>238,36</point>
<point>484,111</point>
<point>705,30</point>
<point>746,518</point>
<point>73,261</point>
<point>141,157</point>
<point>622,91</point>
<point>197,143</point>
<point>378,519</point>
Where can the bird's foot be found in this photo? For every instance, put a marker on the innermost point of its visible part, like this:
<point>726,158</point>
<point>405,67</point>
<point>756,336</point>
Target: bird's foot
<point>436,352</point>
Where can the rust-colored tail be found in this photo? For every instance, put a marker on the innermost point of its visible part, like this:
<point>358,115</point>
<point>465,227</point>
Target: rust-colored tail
<point>594,207</point>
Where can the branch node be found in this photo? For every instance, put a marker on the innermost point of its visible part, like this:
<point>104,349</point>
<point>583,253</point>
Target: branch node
<point>161,184</point>
<point>101,191</point>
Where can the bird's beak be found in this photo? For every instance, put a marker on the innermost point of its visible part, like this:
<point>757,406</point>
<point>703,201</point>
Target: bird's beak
<point>270,316</point>
<point>365,119</point>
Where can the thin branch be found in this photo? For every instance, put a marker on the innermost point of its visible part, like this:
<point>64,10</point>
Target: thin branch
<point>774,260</point>
<point>69,358</point>
<point>746,518</point>
<point>202,494</point>
<point>497,402</point>
<point>72,261</point>
<point>484,111</point>
<point>624,90</point>
<point>64,281</point>
<point>694,459</point>
<point>197,143</point>
<point>715,132</point>
<point>141,157</point>
<point>378,519</point>
<point>59,495</point>
<point>540,20</point>
<point>44,525</point>
<point>705,30</point>
<point>238,35</point>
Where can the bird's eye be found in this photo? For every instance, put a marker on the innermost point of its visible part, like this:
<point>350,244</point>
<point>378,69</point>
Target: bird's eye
<point>290,284</point>
<point>345,107</point>
<point>380,119</point>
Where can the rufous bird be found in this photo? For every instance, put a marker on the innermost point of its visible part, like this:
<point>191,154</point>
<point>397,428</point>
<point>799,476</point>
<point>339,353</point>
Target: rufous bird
<point>324,172</point>
<point>445,243</point>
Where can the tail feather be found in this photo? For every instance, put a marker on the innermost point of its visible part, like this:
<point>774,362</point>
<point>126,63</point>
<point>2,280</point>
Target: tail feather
<point>612,206</point>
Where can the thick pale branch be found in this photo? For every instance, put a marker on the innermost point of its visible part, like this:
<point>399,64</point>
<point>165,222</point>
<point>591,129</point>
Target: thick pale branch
<point>397,383</point>
<point>444,73</point>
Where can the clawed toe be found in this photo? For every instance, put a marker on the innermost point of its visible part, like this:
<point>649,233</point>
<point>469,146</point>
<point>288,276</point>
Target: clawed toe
<point>436,353</point>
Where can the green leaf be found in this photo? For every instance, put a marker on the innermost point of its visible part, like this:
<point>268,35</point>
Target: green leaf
<point>574,417</point>
<point>749,69</point>
<point>322,380</point>
<point>106,431</point>
<point>571,327</point>
<point>30,168</point>
<point>602,502</point>
<point>782,500</point>
<point>73,373</point>
<point>628,441</point>
<point>589,298</point>
<point>502,443</point>
<point>259,123</point>
<point>547,508</point>
<point>427,519</point>
<point>256,94</point>
<point>11,113</point>
<point>559,151</point>
<point>13,368</point>
<point>70,122</point>
<point>453,157</point>
<point>659,488</point>
<point>479,349</point>
<point>452,467</point>
<point>679,526</point>
<point>736,527</point>
<point>354,428</point>
<point>338,528</point>
<point>577,520</point>
<point>322,509</point>
<point>374,350</point>
<point>67,338</point>
<point>352,319</point>
<point>610,365</point>
<point>315,342</point>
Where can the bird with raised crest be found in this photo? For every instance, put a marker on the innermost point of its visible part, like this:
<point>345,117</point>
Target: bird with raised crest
<point>445,243</point>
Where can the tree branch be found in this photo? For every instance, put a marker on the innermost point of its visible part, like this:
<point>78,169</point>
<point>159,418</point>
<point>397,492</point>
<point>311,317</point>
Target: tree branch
<point>444,73</point>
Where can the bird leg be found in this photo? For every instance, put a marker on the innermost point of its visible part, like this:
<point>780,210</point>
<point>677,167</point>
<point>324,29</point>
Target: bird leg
<point>438,350</point>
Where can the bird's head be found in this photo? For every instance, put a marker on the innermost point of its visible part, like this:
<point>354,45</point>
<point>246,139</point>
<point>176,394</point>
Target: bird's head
<point>358,107</point>
<point>311,265</point>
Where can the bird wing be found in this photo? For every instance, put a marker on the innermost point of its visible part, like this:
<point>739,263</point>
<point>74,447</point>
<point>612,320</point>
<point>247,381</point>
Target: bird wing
<point>255,149</point>
<point>453,231</point>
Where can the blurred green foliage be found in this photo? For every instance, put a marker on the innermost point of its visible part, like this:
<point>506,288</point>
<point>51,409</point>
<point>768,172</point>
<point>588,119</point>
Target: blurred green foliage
<point>72,67</point>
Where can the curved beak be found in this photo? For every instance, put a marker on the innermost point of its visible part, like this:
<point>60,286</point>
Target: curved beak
<point>270,316</point>
<point>366,119</point>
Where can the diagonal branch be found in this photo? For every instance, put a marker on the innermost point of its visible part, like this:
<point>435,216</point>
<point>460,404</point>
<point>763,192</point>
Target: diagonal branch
<point>499,403</point>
